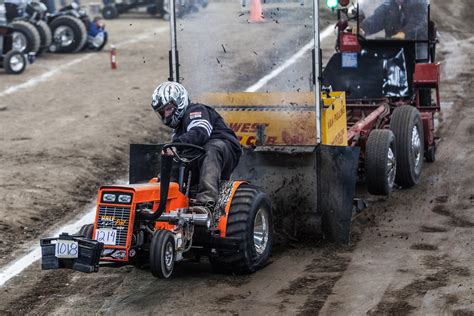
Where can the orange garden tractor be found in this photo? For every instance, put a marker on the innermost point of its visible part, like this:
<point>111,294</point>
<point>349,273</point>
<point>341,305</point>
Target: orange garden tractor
<point>156,223</point>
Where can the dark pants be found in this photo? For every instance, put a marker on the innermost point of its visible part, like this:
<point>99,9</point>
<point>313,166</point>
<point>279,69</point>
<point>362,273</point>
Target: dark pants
<point>218,163</point>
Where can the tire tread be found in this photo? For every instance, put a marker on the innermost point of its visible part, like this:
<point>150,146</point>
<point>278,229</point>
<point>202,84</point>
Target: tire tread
<point>237,226</point>
<point>376,161</point>
<point>400,123</point>
<point>34,40</point>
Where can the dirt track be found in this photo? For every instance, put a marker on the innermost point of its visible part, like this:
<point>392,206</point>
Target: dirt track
<point>412,252</point>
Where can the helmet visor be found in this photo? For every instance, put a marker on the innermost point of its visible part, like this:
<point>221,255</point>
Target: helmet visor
<point>166,111</point>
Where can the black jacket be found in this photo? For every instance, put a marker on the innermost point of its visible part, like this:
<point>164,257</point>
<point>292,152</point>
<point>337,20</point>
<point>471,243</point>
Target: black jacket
<point>201,123</point>
<point>410,18</point>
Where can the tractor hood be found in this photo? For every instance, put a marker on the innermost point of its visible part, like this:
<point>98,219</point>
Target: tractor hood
<point>138,193</point>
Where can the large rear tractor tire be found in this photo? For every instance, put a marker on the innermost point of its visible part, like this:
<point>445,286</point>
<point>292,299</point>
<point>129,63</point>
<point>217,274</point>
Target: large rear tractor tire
<point>14,62</point>
<point>162,254</point>
<point>86,231</point>
<point>69,34</point>
<point>46,37</point>
<point>26,38</point>
<point>407,126</point>
<point>250,220</point>
<point>380,162</point>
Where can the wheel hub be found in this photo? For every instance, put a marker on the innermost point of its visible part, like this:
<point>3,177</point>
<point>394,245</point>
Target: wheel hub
<point>65,35</point>
<point>16,63</point>
<point>416,147</point>
<point>169,255</point>
<point>260,231</point>
<point>19,42</point>
<point>391,167</point>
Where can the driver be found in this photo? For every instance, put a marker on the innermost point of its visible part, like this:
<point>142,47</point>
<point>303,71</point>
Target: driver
<point>401,19</point>
<point>201,125</point>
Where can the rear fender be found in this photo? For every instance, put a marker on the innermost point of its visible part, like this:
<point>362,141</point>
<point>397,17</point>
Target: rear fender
<point>226,193</point>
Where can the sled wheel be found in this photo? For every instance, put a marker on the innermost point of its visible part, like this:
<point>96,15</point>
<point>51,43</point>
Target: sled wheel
<point>26,37</point>
<point>430,154</point>
<point>162,254</point>
<point>86,231</point>
<point>380,162</point>
<point>46,37</point>
<point>409,144</point>
<point>250,220</point>
<point>109,12</point>
<point>69,34</point>
<point>14,62</point>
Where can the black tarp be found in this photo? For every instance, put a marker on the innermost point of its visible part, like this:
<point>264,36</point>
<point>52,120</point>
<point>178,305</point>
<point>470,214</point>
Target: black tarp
<point>375,73</point>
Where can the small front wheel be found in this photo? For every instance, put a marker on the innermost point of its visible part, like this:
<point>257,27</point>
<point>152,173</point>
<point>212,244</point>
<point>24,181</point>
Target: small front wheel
<point>14,62</point>
<point>162,254</point>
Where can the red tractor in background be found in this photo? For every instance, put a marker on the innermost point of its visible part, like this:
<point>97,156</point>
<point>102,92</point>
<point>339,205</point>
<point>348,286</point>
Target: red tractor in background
<point>392,92</point>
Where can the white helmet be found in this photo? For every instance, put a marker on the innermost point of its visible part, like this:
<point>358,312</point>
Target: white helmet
<point>174,93</point>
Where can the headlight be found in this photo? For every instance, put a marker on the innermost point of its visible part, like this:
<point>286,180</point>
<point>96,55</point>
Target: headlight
<point>109,197</point>
<point>117,197</point>
<point>124,198</point>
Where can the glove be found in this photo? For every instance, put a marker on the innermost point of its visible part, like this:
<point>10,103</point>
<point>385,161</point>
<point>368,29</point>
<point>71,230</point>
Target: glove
<point>169,152</point>
<point>399,36</point>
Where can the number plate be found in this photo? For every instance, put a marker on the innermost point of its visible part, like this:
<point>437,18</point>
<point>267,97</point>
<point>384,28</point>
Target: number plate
<point>67,249</point>
<point>107,236</point>
<point>349,60</point>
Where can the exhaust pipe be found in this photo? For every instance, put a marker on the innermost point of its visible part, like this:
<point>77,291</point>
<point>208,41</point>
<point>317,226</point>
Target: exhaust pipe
<point>166,164</point>
<point>196,219</point>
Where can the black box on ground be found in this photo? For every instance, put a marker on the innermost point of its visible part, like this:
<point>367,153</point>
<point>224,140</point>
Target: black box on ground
<point>70,252</point>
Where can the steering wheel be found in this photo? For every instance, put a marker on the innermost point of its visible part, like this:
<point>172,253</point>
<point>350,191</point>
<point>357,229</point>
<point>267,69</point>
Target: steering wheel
<point>185,158</point>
